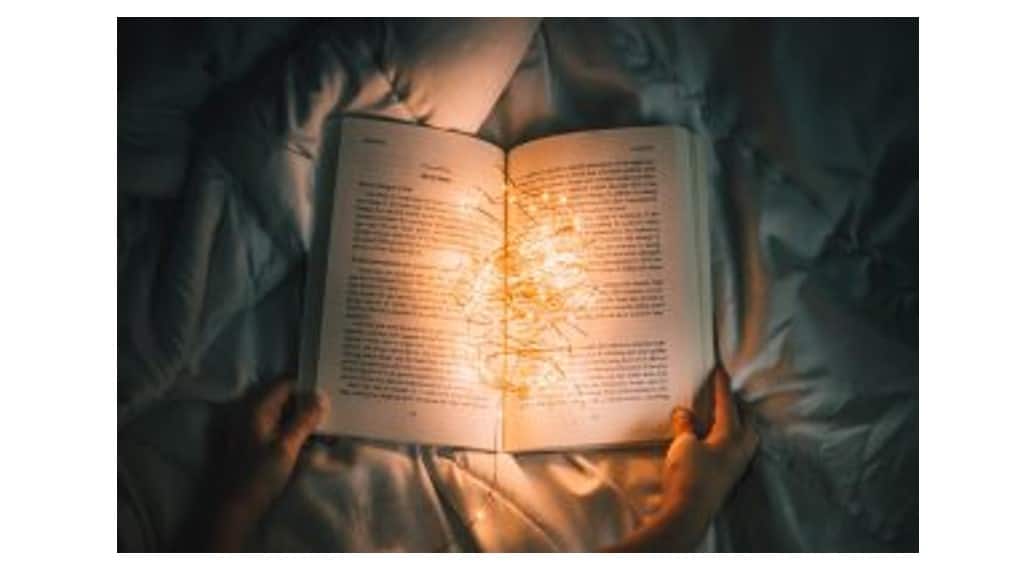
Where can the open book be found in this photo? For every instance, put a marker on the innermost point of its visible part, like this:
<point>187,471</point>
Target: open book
<point>388,333</point>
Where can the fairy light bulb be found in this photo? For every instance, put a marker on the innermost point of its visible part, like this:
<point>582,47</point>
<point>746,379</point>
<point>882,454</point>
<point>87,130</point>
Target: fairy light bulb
<point>529,290</point>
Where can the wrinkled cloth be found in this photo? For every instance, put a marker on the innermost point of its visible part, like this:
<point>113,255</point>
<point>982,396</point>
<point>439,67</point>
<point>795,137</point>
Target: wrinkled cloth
<point>813,127</point>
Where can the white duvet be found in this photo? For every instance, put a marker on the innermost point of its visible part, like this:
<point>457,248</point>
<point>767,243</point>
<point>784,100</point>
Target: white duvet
<point>815,258</point>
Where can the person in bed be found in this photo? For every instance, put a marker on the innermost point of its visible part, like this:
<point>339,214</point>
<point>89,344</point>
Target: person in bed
<point>699,471</point>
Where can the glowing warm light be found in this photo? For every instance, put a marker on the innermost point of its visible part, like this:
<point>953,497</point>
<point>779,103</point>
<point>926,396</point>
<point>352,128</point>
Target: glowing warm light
<point>520,301</point>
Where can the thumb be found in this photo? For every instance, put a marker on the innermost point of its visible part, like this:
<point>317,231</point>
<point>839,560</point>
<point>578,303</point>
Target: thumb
<point>682,421</point>
<point>305,423</point>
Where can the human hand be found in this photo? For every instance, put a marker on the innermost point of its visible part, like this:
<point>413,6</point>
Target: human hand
<point>261,452</point>
<point>699,472</point>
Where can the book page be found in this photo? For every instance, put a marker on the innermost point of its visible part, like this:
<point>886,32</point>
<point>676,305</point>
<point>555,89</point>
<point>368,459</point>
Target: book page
<point>643,345</point>
<point>411,207</point>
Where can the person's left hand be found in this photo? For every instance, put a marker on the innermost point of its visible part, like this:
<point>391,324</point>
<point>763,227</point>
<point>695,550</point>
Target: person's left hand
<point>261,453</point>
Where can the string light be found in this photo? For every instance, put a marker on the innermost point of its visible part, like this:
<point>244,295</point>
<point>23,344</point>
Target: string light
<point>520,299</point>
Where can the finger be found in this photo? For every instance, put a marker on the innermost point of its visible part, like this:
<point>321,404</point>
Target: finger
<point>268,410</point>
<point>682,421</point>
<point>703,407</point>
<point>305,423</point>
<point>726,418</point>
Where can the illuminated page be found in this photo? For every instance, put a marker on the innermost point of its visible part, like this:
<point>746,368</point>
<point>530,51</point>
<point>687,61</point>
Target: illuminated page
<point>611,371</point>
<point>412,207</point>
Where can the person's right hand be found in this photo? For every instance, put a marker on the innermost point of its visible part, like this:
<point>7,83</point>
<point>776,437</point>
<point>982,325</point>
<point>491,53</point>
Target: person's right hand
<point>699,472</point>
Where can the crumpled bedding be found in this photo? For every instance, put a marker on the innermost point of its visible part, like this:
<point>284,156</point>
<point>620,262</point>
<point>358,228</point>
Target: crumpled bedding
<point>226,136</point>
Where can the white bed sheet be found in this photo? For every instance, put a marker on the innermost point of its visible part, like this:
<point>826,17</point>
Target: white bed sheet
<point>815,276</point>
